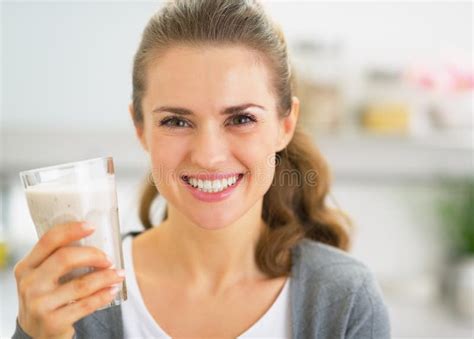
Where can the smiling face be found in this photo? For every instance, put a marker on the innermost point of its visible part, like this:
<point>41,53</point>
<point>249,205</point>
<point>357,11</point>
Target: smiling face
<point>209,113</point>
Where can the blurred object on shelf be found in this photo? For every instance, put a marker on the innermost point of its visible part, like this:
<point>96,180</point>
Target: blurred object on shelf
<point>5,245</point>
<point>386,107</point>
<point>458,221</point>
<point>448,89</point>
<point>4,250</point>
<point>3,255</point>
<point>318,67</point>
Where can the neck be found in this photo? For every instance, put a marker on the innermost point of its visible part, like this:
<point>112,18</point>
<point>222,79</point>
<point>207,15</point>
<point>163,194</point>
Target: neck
<point>211,260</point>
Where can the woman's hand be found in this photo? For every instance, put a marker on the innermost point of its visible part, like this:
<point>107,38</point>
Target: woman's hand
<point>45,308</point>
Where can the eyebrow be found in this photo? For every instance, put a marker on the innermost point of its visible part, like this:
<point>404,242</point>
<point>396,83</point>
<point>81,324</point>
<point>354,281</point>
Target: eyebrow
<point>185,111</point>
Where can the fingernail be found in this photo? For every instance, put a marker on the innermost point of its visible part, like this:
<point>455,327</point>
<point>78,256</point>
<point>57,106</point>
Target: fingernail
<point>121,273</point>
<point>114,289</point>
<point>87,227</point>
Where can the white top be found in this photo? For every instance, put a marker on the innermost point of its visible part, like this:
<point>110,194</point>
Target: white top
<point>139,323</point>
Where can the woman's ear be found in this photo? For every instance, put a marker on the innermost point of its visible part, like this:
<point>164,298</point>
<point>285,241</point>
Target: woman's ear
<point>139,128</point>
<point>288,124</point>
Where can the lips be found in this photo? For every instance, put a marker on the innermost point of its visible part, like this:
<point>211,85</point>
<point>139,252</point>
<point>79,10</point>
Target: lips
<point>212,196</point>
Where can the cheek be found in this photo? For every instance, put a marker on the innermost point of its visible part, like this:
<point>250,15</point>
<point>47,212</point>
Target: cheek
<point>263,171</point>
<point>166,156</point>
<point>258,157</point>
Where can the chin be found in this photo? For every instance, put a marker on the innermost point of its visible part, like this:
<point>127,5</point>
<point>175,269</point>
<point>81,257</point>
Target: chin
<point>212,221</point>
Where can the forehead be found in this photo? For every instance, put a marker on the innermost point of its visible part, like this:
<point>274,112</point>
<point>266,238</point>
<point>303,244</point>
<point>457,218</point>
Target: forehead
<point>208,75</point>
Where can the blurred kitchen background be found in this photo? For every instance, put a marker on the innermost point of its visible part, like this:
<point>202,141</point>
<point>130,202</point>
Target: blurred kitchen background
<point>386,91</point>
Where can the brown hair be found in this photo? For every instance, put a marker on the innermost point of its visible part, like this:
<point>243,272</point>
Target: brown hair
<point>291,211</point>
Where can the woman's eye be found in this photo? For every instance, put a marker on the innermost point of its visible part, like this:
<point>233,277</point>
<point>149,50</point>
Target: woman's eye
<point>243,119</point>
<point>238,120</point>
<point>173,122</point>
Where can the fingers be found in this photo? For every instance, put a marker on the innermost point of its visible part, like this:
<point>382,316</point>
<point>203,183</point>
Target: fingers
<point>57,236</point>
<point>45,278</point>
<point>66,259</point>
<point>81,288</point>
<point>73,312</point>
<point>44,303</point>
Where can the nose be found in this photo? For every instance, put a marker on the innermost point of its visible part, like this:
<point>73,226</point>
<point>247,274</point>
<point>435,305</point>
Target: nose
<point>210,149</point>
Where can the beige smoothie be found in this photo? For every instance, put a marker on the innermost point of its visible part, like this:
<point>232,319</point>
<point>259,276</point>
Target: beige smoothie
<point>93,201</point>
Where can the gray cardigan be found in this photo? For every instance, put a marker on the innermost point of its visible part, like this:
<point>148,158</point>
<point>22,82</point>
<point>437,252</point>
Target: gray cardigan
<point>333,295</point>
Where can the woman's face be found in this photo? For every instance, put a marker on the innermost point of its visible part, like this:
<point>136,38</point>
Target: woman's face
<point>209,114</point>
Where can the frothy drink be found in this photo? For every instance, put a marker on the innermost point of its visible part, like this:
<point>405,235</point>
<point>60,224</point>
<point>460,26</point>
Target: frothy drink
<point>94,201</point>
<point>81,191</point>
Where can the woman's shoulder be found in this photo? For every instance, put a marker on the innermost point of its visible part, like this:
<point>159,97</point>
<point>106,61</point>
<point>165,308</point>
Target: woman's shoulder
<point>329,266</point>
<point>327,278</point>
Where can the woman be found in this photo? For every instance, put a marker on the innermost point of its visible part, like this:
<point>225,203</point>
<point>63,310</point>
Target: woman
<point>247,247</point>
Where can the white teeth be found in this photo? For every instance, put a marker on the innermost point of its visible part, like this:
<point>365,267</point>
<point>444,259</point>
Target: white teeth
<point>214,185</point>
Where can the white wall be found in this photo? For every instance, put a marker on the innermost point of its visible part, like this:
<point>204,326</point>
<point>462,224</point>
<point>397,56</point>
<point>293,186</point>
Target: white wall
<point>383,32</point>
<point>68,65</point>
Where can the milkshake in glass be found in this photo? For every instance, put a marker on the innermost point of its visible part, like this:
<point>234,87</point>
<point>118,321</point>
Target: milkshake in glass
<point>81,191</point>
